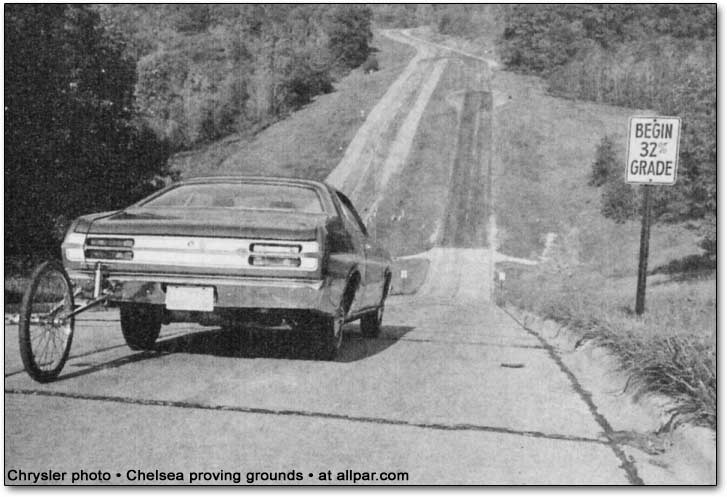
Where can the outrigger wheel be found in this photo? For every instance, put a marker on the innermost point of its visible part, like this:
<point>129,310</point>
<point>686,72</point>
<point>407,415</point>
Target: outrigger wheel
<point>46,323</point>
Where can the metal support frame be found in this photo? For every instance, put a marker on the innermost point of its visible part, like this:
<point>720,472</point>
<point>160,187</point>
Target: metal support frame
<point>100,296</point>
<point>100,300</point>
<point>97,280</point>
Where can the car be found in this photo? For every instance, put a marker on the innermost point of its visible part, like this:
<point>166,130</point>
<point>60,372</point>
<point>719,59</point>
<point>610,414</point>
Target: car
<point>234,251</point>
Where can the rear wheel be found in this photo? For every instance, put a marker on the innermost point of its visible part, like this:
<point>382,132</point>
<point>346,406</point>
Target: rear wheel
<point>330,335</point>
<point>140,324</point>
<point>44,333</point>
<point>371,322</point>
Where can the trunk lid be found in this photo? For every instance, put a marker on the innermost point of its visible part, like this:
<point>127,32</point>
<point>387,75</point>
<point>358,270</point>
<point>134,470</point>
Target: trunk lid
<point>202,222</point>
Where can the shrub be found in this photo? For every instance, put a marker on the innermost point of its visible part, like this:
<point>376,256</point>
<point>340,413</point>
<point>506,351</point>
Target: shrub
<point>618,200</point>
<point>303,83</point>
<point>371,64</point>
<point>605,164</point>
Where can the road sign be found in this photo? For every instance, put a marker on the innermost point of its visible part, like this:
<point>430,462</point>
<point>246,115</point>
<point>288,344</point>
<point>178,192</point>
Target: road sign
<point>653,150</point>
<point>652,158</point>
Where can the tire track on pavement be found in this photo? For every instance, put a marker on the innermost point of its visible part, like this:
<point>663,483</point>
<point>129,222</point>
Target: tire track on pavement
<point>370,161</point>
<point>401,146</point>
<point>351,170</point>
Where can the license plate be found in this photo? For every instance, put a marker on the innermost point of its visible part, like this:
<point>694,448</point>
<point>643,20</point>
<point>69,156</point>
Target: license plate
<point>190,298</point>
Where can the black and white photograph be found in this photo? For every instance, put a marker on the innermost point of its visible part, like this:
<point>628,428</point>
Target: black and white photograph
<point>355,245</point>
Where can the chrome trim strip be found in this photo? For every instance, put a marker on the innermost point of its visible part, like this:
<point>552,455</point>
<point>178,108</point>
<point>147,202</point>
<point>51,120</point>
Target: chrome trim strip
<point>204,280</point>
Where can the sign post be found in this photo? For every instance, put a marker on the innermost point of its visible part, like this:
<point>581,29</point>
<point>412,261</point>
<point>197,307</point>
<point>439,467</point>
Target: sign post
<point>643,249</point>
<point>653,153</point>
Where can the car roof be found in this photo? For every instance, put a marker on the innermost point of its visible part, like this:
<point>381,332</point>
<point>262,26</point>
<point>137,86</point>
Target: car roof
<point>254,179</point>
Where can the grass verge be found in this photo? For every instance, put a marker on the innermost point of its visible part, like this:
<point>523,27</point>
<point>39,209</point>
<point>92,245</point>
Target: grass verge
<point>587,280</point>
<point>671,349</point>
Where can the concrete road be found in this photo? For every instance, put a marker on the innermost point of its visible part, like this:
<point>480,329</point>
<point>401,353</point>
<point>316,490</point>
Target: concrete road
<point>451,392</point>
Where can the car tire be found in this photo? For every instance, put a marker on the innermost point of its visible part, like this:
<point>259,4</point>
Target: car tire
<point>330,335</point>
<point>371,322</point>
<point>141,325</point>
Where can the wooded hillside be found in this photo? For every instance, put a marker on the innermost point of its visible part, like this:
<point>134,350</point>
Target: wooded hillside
<point>656,56</point>
<point>205,71</point>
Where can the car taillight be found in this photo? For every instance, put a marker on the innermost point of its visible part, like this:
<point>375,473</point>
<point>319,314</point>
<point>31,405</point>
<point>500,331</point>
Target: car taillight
<point>270,248</point>
<point>110,249</point>
<point>110,242</point>
<point>124,255</point>
<point>263,260</point>
<point>303,255</point>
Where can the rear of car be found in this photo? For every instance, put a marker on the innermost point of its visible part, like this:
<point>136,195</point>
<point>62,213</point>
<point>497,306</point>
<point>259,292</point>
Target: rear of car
<point>211,245</point>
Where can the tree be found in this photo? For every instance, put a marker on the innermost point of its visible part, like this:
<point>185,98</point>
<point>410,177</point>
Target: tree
<point>605,164</point>
<point>349,33</point>
<point>72,144</point>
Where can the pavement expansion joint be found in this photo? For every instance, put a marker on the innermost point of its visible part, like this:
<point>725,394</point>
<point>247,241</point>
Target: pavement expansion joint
<point>313,414</point>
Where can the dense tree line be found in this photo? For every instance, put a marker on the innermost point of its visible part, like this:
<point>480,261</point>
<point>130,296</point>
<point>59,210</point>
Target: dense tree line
<point>461,20</point>
<point>72,144</point>
<point>648,56</point>
<point>98,96</point>
<point>210,70</point>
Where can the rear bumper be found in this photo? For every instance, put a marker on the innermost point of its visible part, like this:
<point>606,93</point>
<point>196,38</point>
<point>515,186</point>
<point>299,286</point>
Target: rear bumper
<point>321,296</point>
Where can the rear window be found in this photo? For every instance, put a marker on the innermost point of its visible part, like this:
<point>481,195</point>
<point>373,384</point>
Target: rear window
<point>256,196</point>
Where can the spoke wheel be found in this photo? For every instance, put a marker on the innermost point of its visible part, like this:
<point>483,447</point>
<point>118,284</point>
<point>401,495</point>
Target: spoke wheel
<point>45,333</point>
